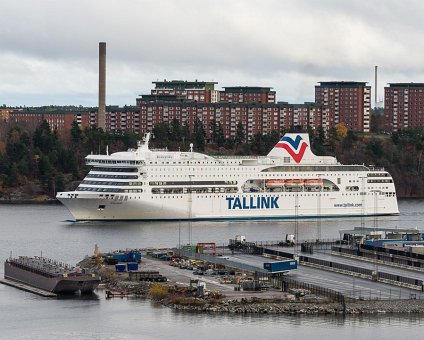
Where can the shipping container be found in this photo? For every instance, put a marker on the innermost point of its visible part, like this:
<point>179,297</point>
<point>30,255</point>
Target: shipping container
<point>130,256</point>
<point>281,266</point>
<point>132,266</point>
<point>120,267</point>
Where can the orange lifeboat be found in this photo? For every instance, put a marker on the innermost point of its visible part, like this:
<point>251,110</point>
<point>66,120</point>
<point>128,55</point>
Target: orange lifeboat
<point>314,182</point>
<point>294,183</point>
<point>274,183</point>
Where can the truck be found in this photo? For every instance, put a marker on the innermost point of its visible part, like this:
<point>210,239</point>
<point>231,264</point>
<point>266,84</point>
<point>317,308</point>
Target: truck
<point>280,266</point>
<point>240,239</point>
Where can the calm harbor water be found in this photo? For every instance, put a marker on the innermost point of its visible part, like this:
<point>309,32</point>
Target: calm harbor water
<point>32,229</point>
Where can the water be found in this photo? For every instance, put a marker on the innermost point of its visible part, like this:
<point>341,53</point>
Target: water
<point>32,229</point>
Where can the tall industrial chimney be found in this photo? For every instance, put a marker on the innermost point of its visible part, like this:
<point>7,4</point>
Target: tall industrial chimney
<point>375,86</point>
<point>101,120</point>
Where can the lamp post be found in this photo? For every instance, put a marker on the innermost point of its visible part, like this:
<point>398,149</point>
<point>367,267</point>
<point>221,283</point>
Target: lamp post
<point>320,187</point>
<point>190,207</point>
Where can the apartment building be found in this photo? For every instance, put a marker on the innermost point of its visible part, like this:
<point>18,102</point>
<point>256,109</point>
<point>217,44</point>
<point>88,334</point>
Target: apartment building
<point>348,102</point>
<point>404,106</point>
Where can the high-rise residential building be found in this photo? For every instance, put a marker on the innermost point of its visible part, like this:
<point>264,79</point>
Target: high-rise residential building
<point>403,106</point>
<point>255,117</point>
<point>59,119</point>
<point>199,91</point>
<point>247,94</point>
<point>348,102</point>
<point>188,102</point>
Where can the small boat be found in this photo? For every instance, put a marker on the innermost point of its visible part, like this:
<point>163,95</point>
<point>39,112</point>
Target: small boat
<point>274,183</point>
<point>314,182</point>
<point>294,183</point>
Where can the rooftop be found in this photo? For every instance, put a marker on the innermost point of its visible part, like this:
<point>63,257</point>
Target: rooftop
<point>184,84</point>
<point>406,84</point>
<point>342,83</point>
<point>246,89</point>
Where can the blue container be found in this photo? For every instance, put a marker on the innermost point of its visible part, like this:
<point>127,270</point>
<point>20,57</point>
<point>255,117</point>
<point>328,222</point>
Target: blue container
<point>131,256</point>
<point>282,266</point>
<point>132,266</point>
<point>134,256</point>
<point>120,267</point>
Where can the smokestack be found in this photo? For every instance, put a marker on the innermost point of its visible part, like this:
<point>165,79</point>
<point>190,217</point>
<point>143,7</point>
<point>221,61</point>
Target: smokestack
<point>375,86</point>
<point>101,120</point>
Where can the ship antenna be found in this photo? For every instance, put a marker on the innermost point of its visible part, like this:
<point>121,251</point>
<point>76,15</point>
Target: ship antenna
<point>107,150</point>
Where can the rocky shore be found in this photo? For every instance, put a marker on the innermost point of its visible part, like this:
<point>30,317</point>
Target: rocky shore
<point>287,305</point>
<point>292,308</point>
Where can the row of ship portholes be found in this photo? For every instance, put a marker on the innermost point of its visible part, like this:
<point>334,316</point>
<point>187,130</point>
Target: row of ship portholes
<point>288,195</point>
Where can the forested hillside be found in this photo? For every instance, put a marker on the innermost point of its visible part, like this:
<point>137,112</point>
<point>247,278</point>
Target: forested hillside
<point>36,163</point>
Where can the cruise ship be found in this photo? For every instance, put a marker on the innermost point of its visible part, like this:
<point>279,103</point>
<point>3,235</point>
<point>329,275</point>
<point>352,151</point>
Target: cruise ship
<point>49,275</point>
<point>290,182</point>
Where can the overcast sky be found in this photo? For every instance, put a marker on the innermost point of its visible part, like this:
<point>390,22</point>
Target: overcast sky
<point>49,48</point>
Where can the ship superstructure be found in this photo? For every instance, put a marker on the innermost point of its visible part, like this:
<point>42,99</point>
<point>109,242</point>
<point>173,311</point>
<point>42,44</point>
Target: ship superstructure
<point>290,182</point>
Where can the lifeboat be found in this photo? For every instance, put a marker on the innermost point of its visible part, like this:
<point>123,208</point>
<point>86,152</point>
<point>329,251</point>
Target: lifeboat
<point>314,182</point>
<point>294,183</point>
<point>274,183</point>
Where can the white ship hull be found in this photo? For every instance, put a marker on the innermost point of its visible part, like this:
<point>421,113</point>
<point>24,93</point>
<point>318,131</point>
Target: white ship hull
<point>290,182</point>
<point>217,208</point>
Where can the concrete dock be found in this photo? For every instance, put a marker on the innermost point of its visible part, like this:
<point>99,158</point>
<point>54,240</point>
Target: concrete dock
<point>27,288</point>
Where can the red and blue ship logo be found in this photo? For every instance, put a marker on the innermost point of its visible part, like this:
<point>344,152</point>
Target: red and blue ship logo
<point>295,147</point>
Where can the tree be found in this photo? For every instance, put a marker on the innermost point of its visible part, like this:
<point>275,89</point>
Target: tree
<point>333,139</point>
<point>220,137</point>
<point>199,135</point>
<point>43,138</point>
<point>349,140</point>
<point>13,175</point>
<point>75,134</point>
<point>341,130</point>
<point>213,128</point>
<point>16,147</point>
<point>161,134</point>
<point>375,148</point>
<point>185,136</point>
<point>239,134</point>
<point>175,131</point>
<point>258,144</point>
<point>130,139</point>
<point>60,182</point>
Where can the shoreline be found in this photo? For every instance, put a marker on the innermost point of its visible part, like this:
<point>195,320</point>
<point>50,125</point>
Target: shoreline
<point>285,304</point>
<point>265,306</point>
<point>178,295</point>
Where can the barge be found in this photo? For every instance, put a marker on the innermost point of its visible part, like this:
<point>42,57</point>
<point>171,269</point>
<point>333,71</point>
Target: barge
<point>50,275</point>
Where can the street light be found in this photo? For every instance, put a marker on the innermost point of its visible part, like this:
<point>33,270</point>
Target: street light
<point>190,207</point>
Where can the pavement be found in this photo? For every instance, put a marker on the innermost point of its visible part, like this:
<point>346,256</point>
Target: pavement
<point>350,285</point>
<point>182,277</point>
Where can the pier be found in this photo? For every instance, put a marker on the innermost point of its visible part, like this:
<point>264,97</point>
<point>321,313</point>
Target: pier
<point>27,288</point>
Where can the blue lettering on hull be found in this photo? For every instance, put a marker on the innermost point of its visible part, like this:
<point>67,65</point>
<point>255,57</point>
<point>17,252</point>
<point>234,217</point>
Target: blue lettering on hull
<point>252,203</point>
